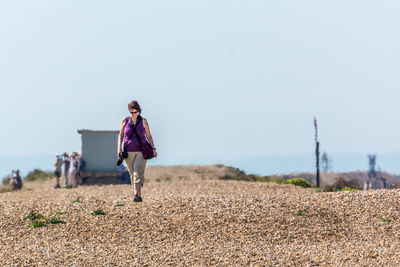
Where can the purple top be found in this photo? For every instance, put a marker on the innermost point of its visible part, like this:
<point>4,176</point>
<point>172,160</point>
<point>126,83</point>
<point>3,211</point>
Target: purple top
<point>133,144</point>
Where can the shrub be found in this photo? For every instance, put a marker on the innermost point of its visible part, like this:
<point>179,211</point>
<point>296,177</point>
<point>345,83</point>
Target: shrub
<point>342,185</point>
<point>349,189</point>
<point>6,180</point>
<point>38,174</point>
<point>298,182</point>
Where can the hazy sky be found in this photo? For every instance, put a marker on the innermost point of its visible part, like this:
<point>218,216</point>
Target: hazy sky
<point>217,80</point>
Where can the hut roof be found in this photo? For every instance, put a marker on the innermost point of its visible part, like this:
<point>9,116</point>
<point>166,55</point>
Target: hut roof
<point>96,131</point>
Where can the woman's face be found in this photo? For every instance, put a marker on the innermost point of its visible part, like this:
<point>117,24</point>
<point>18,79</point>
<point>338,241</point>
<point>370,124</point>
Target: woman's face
<point>134,113</point>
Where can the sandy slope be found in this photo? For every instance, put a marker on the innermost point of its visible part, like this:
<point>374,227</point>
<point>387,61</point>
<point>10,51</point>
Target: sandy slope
<point>207,222</point>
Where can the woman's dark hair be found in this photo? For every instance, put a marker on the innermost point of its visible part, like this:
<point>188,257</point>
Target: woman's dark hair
<point>134,105</point>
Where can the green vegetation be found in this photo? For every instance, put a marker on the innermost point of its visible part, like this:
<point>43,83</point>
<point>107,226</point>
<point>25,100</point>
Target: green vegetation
<point>298,182</point>
<point>33,216</point>
<point>38,220</point>
<point>183,178</point>
<point>198,171</point>
<point>349,189</point>
<point>98,212</point>
<point>61,212</point>
<point>38,175</point>
<point>68,186</point>
<point>239,175</point>
<point>54,220</point>
<point>6,180</point>
<point>35,224</point>
<point>78,200</point>
<point>342,184</point>
<point>384,219</point>
<point>5,189</point>
<point>120,205</point>
<point>163,179</point>
<point>300,213</point>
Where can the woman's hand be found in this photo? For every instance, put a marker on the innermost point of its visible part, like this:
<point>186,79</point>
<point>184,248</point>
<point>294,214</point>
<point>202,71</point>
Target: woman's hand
<point>154,153</point>
<point>119,153</point>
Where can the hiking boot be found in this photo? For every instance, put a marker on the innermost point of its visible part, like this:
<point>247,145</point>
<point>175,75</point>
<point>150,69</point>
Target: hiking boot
<point>137,199</point>
<point>57,186</point>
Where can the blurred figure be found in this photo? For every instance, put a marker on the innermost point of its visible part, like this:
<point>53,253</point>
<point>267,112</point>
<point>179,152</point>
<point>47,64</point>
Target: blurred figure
<point>74,168</point>
<point>15,180</point>
<point>81,169</point>
<point>57,173</point>
<point>18,179</point>
<point>66,167</point>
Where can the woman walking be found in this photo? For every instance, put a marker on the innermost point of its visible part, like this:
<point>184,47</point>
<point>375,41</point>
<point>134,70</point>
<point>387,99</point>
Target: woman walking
<point>132,128</point>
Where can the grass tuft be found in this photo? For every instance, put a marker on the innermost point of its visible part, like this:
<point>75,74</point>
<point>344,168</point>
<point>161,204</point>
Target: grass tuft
<point>5,189</point>
<point>120,205</point>
<point>33,216</point>
<point>36,224</point>
<point>54,220</point>
<point>78,200</point>
<point>300,213</point>
<point>98,212</point>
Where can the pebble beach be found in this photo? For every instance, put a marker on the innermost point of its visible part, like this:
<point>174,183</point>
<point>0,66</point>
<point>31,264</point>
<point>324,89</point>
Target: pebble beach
<point>201,223</point>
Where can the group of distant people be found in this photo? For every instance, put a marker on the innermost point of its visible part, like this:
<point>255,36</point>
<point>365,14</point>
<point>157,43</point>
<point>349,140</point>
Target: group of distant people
<point>72,166</point>
<point>15,181</point>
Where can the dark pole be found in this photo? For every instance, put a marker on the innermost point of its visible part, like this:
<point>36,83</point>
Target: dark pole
<point>316,151</point>
<point>317,155</point>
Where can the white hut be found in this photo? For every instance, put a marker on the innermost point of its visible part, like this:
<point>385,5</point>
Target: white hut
<point>99,150</point>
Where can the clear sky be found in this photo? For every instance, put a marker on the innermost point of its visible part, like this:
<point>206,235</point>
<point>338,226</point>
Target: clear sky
<point>218,80</point>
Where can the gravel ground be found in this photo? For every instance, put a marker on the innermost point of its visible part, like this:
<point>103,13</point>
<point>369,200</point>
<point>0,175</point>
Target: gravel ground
<point>201,223</point>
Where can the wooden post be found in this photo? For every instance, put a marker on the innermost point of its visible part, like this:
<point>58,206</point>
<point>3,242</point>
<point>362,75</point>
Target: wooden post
<point>317,178</point>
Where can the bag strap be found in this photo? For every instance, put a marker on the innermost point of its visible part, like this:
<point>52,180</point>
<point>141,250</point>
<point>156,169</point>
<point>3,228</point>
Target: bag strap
<point>130,136</point>
<point>137,135</point>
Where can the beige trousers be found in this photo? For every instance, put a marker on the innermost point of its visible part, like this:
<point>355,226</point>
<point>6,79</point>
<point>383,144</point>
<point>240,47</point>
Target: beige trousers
<point>136,165</point>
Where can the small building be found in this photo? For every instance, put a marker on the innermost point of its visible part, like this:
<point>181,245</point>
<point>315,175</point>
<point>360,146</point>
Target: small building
<point>99,150</point>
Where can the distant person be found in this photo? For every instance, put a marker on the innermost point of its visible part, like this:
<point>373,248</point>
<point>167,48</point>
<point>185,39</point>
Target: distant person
<point>66,167</point>
<point>11,180</point>
<point>73,169</point>
<point>57,173</point>
<point>18,179</point>
<point>81,169</point>
<point>15,180</point>
<point>135,161</point>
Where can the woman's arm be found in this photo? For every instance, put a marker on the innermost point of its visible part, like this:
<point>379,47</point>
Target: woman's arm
<point>121,136</point>
<point>148,136</point>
